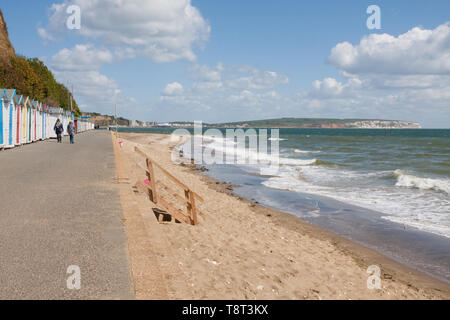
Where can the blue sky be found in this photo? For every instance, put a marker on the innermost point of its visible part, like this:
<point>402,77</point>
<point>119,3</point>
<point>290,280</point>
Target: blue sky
<point>216,60</point>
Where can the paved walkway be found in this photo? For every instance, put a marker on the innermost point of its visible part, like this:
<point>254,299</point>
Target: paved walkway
<point>59,206</point>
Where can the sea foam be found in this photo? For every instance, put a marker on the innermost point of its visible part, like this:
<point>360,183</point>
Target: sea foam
<point>410,181</point>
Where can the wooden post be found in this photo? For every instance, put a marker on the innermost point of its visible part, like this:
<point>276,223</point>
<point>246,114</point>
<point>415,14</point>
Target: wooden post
<point>190,205</point>
<point>151,178</point>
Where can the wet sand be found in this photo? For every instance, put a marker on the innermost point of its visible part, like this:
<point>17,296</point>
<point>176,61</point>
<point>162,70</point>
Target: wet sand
<point>242,250</point>
<point>418,249</point>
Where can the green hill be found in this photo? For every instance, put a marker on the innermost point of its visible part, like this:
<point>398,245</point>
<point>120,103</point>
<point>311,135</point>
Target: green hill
<point>319,123</point>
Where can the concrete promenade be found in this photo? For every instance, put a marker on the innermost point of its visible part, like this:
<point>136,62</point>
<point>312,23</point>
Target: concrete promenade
<point>60,206</point>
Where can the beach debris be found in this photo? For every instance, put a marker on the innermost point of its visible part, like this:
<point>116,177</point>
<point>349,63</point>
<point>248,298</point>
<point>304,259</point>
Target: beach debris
<point>211,261</point>
<point>260,287</point>
<point>147,181</point>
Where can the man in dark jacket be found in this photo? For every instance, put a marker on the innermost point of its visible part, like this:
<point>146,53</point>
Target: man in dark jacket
<point>59,129</point>
<point>71,131</point>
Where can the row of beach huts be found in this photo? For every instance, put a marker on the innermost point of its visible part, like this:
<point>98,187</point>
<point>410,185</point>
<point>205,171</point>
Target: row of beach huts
<point>23,120</point>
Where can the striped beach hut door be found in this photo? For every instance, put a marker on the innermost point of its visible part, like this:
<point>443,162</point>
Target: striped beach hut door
<point>35,129</point>
<point>11,116</point>
<point>44,108</point>
<point>2,94</point>
<point>29,122</point>
<point>24,120</point>
<point>18,124</point>
<point>18,101</point>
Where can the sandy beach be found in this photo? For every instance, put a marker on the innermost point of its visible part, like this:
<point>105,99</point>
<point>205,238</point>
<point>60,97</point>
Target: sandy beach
<point>240,250</point>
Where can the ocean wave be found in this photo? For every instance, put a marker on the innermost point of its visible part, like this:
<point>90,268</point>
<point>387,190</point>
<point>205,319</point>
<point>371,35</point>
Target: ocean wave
<point>428,226</point>
<point>277,139</point>
<point>298,162</point>
<point>305,151</point>
<point>410,181</point>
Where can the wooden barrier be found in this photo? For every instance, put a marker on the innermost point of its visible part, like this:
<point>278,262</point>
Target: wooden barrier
<point>156,186</point>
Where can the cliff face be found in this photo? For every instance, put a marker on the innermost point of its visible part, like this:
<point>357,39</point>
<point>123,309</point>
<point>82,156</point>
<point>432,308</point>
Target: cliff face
<point>6,48</point>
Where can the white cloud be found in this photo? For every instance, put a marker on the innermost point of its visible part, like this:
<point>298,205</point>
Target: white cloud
<point>418,51</point>
<point>161,30</point>
<point>80,66</point>
<point>173,89</point>
<point>44,34</point>
<point>257,80</point>
<point>328,87</point>
<point>405,77</point>
<point>220,83</point>
<point>214,94</point>
<point>81,57</point>
<point>207,78</point>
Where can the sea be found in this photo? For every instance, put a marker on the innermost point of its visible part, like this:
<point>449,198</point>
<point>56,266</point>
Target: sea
<point>388,189</point>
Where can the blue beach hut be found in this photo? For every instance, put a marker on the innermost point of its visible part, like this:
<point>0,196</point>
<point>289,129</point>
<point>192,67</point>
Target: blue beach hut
<point>6,120</point>
<point>3,103</point>
<point>12,117</point>
<point>18,102</point>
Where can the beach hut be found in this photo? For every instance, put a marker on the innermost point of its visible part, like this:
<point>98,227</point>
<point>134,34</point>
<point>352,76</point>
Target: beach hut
<point>53,116</point>
<point>38,123</point>
<point>18,101</point>
<point>64,121</point>
<point>44,122</point>
<point>7,119</point>
<point>11,96</point>
<point>3,103</point>
<point>26,105</point>
<point>30,121</point>
<point>49,122</point>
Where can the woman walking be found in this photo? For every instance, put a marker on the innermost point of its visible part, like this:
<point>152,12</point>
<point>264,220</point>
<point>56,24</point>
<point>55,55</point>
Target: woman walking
<point>59,129</point>
<point>71,131</point>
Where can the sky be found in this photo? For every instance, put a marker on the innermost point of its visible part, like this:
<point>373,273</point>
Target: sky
<point>220,61</point>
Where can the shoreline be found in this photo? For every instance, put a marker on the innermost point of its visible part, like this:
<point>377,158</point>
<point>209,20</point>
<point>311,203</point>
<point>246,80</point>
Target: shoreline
<point>358,251</point>
<point>399,281</point>
<point>427,253</point>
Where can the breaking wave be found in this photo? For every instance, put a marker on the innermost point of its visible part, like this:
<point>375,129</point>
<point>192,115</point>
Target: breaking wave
<point>410,181</point>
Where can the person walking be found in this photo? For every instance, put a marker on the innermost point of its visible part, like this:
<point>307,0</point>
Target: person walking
<point>71,131</point>
<point>59,129</point>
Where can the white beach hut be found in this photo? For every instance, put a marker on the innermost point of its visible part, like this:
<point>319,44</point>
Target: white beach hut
<point>39,122</point>
<point>38,131</point>
<point>44,121</point>
<point>49,123</point>
<point>3,104</point>
<point>18,101</point>
<point>31,122</point>
<point>11,96</point>
<point>6,139</point>
<point>26,104</point>
<point>54,115</point>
